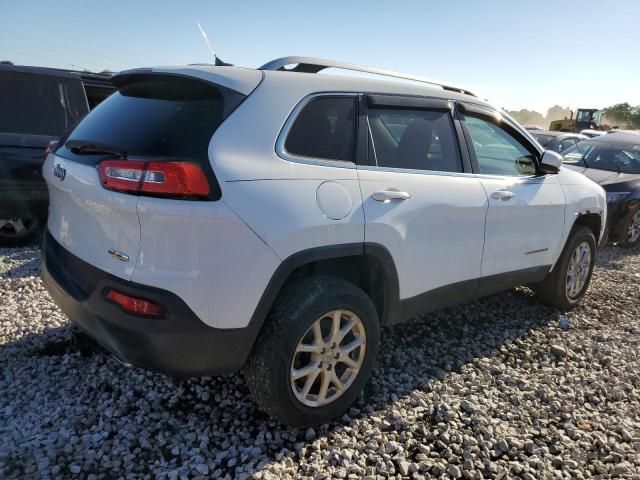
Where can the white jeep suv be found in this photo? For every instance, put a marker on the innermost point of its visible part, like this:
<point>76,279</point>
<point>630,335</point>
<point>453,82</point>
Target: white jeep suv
<point>208,218</point>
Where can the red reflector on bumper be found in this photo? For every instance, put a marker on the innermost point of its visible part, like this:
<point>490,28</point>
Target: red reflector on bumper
<point>135,305</point>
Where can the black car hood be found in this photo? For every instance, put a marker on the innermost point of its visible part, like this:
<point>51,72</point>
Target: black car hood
<point>610,181</point>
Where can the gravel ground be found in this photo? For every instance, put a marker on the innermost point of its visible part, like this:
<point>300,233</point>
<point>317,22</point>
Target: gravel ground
<point>499,388</point>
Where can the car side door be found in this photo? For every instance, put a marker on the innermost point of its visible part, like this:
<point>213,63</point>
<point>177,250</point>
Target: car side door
<point>421,200</point>
<point>525,220</point>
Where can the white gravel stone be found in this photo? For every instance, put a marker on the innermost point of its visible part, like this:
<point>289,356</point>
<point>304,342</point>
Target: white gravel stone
<point>499,388</point>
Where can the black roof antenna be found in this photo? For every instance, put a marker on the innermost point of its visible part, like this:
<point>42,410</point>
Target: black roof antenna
<point>216,61</point>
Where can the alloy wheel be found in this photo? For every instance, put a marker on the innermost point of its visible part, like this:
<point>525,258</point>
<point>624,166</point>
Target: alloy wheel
<point>328,358</point>
<point>15,227</point>
<point>633,232</point>
<point>578,270</point>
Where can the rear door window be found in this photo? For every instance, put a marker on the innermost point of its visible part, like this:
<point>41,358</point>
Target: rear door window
<point>413,139</point>
<point>324,129</point>
<point>39,104</point>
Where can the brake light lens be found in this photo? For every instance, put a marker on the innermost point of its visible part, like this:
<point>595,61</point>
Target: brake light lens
<point>51,146</point>
<point>172,179</point>
<point>135,305</point>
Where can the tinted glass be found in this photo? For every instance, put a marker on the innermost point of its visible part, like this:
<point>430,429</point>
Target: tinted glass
<point>542,139</point>
<point>414,139</point>
<point>39,104</point>
<point>325,128</point>
<point>574,155</point>
<point>612,157</point>
<point>497,151</point>
<point>566,143</point>
<point>158,117</point>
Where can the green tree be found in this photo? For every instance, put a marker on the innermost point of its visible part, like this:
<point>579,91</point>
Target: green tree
<point>620,113</point>
<point>634,118</point>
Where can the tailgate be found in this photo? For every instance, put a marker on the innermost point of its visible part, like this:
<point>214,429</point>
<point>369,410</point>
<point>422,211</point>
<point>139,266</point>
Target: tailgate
<point>89,220</point>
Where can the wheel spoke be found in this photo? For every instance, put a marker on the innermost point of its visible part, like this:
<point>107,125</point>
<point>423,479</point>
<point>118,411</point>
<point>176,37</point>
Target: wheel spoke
<point>304,371</point>
<point>348,361</point>
<point>311,379</point>
<point>352,345</point>
<point>18,226</point>
<point>346,329</point>
<point>324,387</point>
<point>337,383</point>
<point>633,232</point>
<point>307,348</point>
<point>335,325</point>
<point>317,333</point>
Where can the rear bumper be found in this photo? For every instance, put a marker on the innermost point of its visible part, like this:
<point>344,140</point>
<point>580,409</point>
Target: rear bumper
<point>179,345</point>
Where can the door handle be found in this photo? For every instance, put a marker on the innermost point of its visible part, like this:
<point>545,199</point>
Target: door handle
<point>388,195</point>
<point>502,195</point>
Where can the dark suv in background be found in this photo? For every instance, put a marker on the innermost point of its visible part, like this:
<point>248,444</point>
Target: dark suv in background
<point>37,105</point>
<point>613,161</point>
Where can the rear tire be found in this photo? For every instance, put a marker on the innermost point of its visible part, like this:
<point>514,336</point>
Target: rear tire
<point>16,232</point>
<point>290,345</point>
<point>568,282</point>
<point>630,230</point>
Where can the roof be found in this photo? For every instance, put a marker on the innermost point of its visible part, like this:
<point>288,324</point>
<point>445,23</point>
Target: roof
<point>88,78</point>
<point>555,133</point>
<point>244,80</point>
<point>315,65</point>
<point>618,137</point>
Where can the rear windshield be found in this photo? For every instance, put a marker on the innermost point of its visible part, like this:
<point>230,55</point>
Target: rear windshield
<point>39,104</point>
<point>159,117</point>
<point>614,157</point>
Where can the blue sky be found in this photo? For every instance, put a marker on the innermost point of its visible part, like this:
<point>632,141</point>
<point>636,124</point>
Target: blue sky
<point>518,54</point>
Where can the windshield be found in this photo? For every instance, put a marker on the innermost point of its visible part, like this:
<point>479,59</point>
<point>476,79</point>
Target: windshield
<point>613,157</point>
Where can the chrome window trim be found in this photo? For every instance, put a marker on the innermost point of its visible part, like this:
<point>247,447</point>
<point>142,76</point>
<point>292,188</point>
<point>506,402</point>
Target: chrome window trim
<point>433,173</point>
<point>284,154</point>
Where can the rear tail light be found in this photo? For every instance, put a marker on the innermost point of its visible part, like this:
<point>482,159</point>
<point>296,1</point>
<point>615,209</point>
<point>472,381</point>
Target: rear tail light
<point>51,146</point>
<point>172,179</point>
<point>135,305</point>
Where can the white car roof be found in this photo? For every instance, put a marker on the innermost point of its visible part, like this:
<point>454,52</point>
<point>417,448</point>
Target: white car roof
<point>245,80</point>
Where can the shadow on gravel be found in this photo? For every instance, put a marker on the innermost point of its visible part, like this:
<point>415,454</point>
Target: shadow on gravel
<point>20,263</point>
<point>165,422</point>
<point>608,258</point>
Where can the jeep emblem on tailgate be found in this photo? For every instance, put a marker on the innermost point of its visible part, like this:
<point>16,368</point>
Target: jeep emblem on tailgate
<point>59,172</point>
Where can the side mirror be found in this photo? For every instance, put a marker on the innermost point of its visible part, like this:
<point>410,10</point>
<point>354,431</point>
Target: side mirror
<point>551,162</point>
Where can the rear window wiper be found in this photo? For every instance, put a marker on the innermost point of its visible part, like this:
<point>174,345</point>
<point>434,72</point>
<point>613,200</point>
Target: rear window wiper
<point>83,147</point>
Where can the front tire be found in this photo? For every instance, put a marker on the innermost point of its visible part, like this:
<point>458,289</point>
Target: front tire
<point>316,352</point>
<point>568,282</point>
<point>630,231</point>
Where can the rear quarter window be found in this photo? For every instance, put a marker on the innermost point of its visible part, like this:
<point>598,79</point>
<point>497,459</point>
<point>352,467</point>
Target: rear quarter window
<point>39,104</point>
<point>324,129</point>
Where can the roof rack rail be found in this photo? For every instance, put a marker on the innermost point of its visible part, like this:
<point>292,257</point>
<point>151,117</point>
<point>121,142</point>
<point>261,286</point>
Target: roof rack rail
<point>314,65</point>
